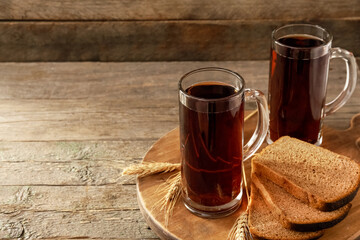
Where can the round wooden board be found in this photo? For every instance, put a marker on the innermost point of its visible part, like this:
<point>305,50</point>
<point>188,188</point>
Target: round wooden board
<point>184,225</point>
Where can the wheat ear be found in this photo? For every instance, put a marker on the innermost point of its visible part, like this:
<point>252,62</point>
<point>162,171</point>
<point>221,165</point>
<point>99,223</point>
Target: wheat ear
<point>146,169</point>
<point>171,192</point>
<point>238,231</point>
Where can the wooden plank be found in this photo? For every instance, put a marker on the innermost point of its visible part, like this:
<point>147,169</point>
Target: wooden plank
<point>112,101</point>
<point>121,151</point>
<point>75,224</point>
<point>89,163</point>
<point>35,211</point>
<point>203,40</point>
<point>187,9</point>
<point>75,173</point>
<point>83,84</point>
<point>117,197</point>
<point>72,126</point>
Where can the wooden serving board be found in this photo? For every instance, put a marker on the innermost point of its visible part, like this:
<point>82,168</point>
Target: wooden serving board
<point>184,225</point>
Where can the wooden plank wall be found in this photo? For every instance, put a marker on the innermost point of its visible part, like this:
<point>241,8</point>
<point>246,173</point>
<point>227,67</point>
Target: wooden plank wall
<point>162,30</point>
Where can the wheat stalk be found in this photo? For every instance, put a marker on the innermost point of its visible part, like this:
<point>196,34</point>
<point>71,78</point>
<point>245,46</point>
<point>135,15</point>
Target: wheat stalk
<point>240,229</point>
<point>146,169</point>
<point>171,191</point>
<point>250,115</point>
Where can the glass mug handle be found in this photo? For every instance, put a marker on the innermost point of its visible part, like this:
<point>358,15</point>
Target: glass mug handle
<point>262,124</point>
<point>350,82</point>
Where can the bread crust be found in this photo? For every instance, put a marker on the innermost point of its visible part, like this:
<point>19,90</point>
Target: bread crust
<point>257,206</point>
<point>297,226</point>
<point>261,238</point>
<point>302,194</point>
<point>256,237</point>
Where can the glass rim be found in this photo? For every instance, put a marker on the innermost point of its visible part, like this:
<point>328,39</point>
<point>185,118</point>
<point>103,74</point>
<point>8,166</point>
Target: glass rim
<point>327,41</point>
<point>213,69</point>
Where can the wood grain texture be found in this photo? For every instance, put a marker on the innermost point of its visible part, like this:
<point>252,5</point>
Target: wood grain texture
<point>159,30</point>
<point>68,129</point>
<point>79,224</point>
<point>179,10</point>
<point>126,97</point>
<point>203,40</point>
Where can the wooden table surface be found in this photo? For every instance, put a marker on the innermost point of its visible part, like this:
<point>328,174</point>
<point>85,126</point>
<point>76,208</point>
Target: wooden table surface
<point>67,131</point>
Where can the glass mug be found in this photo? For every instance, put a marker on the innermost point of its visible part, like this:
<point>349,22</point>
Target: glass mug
<point>299,66</point>
<point>211,111</point>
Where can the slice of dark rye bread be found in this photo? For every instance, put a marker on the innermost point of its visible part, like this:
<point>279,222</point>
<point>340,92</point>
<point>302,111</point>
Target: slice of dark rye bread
<point>321,178</point>
<point>294,214</point>
<point>263,225</point>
